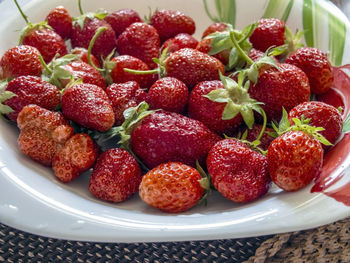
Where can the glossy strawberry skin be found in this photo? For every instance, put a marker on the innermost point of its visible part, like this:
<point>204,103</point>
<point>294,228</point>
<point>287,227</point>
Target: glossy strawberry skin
<point>321,115</point>
<point>286,87</point>
<point>171,137</point>
<point>31,90</point>
<point>294,160</point>
<point>83,56</point>
<point>61,21</point>
<point>181,40</point>
<point>192,66</point>
<point>104,44</point>
<point>89,106</point>
<point>124,96</point>
<point>270,32</point>
<point>141,41</point>
<point>169,94</point>
<point>121,19</point>
<point>210,112</point>
<point>125,61</point>
<point>171,187</point>
<point>116,176</point>
<point>169,23</point>
<point>85,72</point>
<point>316,66</point>
<point>78,155</point>
<point>43,132</point>
<point>215,27</point>
<point>21,61</point>
<point>237,172</point>
<point>47,41</point>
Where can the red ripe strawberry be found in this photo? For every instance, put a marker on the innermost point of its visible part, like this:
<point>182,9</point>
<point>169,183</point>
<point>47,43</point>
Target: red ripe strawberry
<point>265,140</point>
<point>104,44</point>
<point>270,32</point>
<point>120,76</point>
<point>255,54</point>
<point>169,23</point>
<point>167,136</point>
<point>43,132</point>
<point>89,106</point>
<point>20,61</point>
<point>83,56</point>
<point>124,96</point>
<point>316,66</point>
<point>61,21</point>
<point>294,160</point>
<point>320,115</point>
<point>215,27</point>
<point>47,41</point>
<point>192,66</point>
<point>171,187</point>
<point>169,94</point>
<point>78,155</point>
<point>210,112</point>
<point>121,19</point>
<point>141,41</point>
<point>238,173</point>
<point>181,40</point>
<point>285,87</point>
<point>116,176</point>
<point>85,72</point>
<point>31,90</point>
<point>205,45</point>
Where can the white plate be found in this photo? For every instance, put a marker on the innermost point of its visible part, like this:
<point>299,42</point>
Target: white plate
<point>31,199</point>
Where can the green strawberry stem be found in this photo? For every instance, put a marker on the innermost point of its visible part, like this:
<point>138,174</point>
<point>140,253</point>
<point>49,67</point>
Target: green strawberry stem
<point>142,72</point>
<point>240,50</point>
<point>22,14</point>
<point>204,183</point>
<point>49,71</point>
<point>80,8</point>
<point>92,43</point>
<point>262,112</point>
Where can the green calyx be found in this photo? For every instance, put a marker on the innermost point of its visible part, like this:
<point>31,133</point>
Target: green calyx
<point>80,20</point>
<point>204,183</point>
<point>301,124</point>
<point>5,95</point>
<point>237,99</point>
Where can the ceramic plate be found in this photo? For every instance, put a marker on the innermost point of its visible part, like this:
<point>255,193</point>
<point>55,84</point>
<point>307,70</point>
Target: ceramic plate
<point>31,199</point>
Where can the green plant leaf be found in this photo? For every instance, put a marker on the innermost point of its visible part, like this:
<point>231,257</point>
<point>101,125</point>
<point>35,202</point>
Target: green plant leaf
<point>231,110</point>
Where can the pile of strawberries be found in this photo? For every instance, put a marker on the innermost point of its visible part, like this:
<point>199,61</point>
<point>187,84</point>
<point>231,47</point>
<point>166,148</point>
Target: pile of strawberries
<point>149,108</point>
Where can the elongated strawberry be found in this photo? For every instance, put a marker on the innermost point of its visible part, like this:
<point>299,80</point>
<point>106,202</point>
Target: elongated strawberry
<point>43,132</point>
<point>21,61</point>
<point>238,173</point>
<point>171,187</point>
<point>141,41</point>
<point>89,106</point>
<point>61,21</point>
<point>124,96</point>
<point>31,90</point>
<point>121,19</point>
<point>316,66</point>
<point>76,156</point>
<point>169,94</point>
<point>320,115</point>
<point>179,41</point>
<point>169,23</point>
<point>116,176</point>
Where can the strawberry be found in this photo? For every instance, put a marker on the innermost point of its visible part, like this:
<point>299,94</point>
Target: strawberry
<point>269,32</point>
<point>43,132</point>
<point>78,155</point>
<point>172,187</point>
<point>192,66</point>
<point>205,46</point>
<point>316,66</point>
<point>61,21</point>
<point>238,173</point>
<point>285,87</point>
<point>215,27</point>
<point>320,115</point>
<point>121,19</point>
<point>294,160</point>
<point>124,96</point>
<point>255,54</point>
<point>169,94</point>
<point>89,106</point>
<point>31,90</point>
<point>169,23</point>
<point>118,74</point>
<point>254,132</point>
<point>141,41</point>
<point>20,61</point>
<point>82,54</point>
<point>116,176</point>
<point>181,40</point>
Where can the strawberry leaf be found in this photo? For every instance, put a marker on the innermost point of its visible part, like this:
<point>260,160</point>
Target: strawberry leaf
<point>5,95</point>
